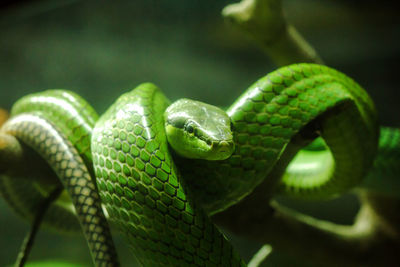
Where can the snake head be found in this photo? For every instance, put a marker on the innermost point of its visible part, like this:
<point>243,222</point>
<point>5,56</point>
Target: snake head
<point>198,130</point>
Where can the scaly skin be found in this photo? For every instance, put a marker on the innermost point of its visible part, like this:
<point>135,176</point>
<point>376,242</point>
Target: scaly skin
<point>383,177</point>
<point>64,159</point>
<point>300,100</point>
<point>142,191</point>
<point>68,111</point>
<point>44,121</point>
<point>161,212</point>
<point>74,117</point>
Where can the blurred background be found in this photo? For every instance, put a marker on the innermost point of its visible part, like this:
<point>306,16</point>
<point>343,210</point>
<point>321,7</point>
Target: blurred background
<point>101,50</point>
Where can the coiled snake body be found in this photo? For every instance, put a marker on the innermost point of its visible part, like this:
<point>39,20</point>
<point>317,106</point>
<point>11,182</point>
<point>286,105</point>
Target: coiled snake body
<point>159,198</point>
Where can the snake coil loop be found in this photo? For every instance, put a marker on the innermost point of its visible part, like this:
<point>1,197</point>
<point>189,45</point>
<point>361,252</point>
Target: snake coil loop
<point>160,200</point>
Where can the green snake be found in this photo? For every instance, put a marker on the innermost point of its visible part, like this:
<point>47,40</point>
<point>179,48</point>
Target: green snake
<point>161,169</point>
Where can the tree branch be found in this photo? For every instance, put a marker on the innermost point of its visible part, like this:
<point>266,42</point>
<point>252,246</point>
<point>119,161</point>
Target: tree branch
<point>30,238</point>
<point>264,22</point>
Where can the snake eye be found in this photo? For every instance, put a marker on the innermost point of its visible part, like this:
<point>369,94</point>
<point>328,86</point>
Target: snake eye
<point>189,128</point>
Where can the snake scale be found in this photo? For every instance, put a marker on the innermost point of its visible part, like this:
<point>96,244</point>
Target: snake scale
<point>160,197</point>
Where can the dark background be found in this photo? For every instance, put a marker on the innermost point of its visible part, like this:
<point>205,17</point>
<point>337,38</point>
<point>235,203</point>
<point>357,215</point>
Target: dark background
<point>101,49</point>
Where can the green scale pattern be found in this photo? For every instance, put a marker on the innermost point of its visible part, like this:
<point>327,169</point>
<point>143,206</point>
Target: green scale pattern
<point>142,191</point>
<point>75,118</point>
<point>69,167</point>
<point>68,111</point>
<point>384,175</point>
<point>265,119</point>
<point>161,210</point>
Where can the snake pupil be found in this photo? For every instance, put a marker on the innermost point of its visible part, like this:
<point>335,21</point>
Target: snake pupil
<point>189,128</point>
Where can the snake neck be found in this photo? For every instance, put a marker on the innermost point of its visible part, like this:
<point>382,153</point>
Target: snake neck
<point>266,118</point>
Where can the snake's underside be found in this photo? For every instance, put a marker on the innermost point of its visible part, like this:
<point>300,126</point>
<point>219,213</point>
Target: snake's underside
<point>161,201</point>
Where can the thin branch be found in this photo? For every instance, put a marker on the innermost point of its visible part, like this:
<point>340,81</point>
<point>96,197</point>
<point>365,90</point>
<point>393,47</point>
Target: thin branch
<point>260,256</point>
<point>30,238</point>
<point>312,239</point>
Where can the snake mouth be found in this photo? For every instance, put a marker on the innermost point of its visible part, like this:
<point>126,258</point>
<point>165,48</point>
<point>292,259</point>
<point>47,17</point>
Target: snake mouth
<point>223,149</point>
